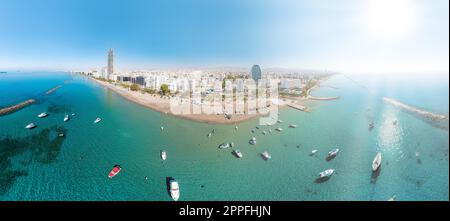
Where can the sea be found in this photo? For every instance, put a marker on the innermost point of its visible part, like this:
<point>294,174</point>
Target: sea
<point>39,165</point>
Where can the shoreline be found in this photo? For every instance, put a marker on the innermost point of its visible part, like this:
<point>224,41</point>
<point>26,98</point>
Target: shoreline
<point>156,103</point>
<point>311,97</point>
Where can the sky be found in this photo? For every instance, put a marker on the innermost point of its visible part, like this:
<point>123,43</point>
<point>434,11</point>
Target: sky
<point>346,35</point>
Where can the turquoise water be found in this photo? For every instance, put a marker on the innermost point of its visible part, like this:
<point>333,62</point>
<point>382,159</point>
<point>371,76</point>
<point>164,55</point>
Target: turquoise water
<point>38,165</point>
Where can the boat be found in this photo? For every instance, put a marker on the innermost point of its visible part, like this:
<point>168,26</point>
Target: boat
<point>293,125</point>
<point>253,141</point>
<point>266,155</point>
<point>42,115</point>
<point>371,125</point>
<point>213,131</point>
<point>326,173</point>
<point>174,189</point>
<point>66,118</point>
<point>257,127</point>
<point>30,126</point>
<point>163,155</point>
<point>73,114</point>
<point>417,154</point>
<point>61,135</point>
<point>237,153</point>
<point>231,144</point>
<point>97,120</point>
<point>162,128</point>
<point>280,121</point>
<point>224,146</point>
<point>209,134</point>
<point>236,127</point>
<point>313,152</point>
<point>376,162</point>
<point>264,132</point>
<point>333,152</point>
<point>393,198</point>
<point>279,129</point>
<point>115,170</point>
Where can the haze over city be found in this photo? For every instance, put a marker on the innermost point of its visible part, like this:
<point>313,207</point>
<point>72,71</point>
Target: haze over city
<point>355,36</point>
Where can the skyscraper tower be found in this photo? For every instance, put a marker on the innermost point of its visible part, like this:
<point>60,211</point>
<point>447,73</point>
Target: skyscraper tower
<point>110,62</point>
<point>256,73</point>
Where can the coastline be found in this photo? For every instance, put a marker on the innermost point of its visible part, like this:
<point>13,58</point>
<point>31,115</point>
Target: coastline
<point>162,105</point>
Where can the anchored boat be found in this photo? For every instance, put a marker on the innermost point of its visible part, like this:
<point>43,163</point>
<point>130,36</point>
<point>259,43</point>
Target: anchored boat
<point>376,162</point>
<point>116,169</point>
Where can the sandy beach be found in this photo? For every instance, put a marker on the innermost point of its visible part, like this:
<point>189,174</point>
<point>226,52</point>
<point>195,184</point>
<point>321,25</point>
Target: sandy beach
<point>157,103</point>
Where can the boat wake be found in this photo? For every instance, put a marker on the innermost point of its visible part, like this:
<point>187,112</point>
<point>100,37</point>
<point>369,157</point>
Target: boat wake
<point>436,120</point>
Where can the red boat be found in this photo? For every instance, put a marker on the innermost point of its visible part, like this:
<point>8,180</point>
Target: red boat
<point>116,169</point>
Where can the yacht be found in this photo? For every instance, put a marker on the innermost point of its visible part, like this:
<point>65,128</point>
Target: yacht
<point>224,146</point>
<point>333,152</point>
<point>163,155</point>
<point>279,129</point>
<point>116,169</point>
<point>253,141</point>
<point>174,189</point>
<point>237,153</point>
<point>97,120</point>
<point>66,118</point>
<point>293,125</point>
<point>42,115</point>
<point>30,126</point>
<point>326,173</point>
<point>266,155</point>
<point>376,162</point>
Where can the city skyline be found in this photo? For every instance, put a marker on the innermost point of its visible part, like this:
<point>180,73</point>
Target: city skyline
<point>353,36</point>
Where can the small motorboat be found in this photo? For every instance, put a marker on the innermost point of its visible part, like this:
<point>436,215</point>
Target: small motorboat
<point>326,173</point>
<point>163,155</point>
<point>73,114</point>
<point>162,128</point>
<point>209,134</point>
<point>97,120</point>
<point>116,169</point>
<point>61,135</point>
<point>333,152</point>
<point>292,125</point>
<point>279,129</point>
<point>266,155</point>
<point>30,126</point>
<point>66,118</point>
<point>42,115</point>
<point>280,121</point>
<point>224,146</point>
<point>237,153</point>
<point>376,162</point>
<point>174,189</point>
<point>313,152</point>
<point>264,132</point>
<point>236,127</point>
<point>253,141</point>
<point>393,198</point>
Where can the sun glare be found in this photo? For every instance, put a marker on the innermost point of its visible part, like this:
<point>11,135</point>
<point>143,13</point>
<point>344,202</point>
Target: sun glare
<point>389,18</point>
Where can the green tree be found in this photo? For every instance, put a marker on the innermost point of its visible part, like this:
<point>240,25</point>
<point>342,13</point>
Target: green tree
<point>134,87</point>
<point>165,89</point>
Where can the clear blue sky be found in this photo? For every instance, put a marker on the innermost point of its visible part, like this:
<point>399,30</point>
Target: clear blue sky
<point>346,35</point>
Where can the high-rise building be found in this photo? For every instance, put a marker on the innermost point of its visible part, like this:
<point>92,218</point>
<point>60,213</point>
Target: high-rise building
<point>256,73</point>
<point>110,62</point>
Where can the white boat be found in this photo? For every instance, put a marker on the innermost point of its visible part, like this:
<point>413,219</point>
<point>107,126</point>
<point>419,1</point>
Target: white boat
<point>236,127</point>
<point>162,128</point>
<point>61,135</point>
<point>279,129</point>
<point>66,118</point>
<point>224,146</point>
<point>264,132</point>
<point>326,173</point>
<point>73,114</point>
<point>174,189</point>
<point>97,120</point>
<point>42,115</point>
<point>392,198</point>
<point>376,162</point>
<point>237,153</point>
<point>266,155</point>
<point>417,154</point>
<point>30,126</point>
<point>253,141</point>
<point>293,125</point>
<point>313,152</point>
<point>209,134</point>
<point>163,155</point>
<point>280,121</point>
<point>333,152</point>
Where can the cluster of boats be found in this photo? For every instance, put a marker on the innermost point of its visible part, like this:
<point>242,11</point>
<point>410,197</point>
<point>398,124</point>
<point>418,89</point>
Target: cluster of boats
<point>66,119</point>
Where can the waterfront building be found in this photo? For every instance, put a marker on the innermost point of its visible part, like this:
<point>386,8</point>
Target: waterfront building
<point>110,69</point>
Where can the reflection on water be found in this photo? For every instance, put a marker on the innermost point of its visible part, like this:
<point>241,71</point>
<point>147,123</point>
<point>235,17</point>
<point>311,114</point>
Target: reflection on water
<point>43,146</point>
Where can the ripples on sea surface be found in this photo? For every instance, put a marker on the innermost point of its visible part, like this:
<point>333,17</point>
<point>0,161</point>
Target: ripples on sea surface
<point>38,165</point>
